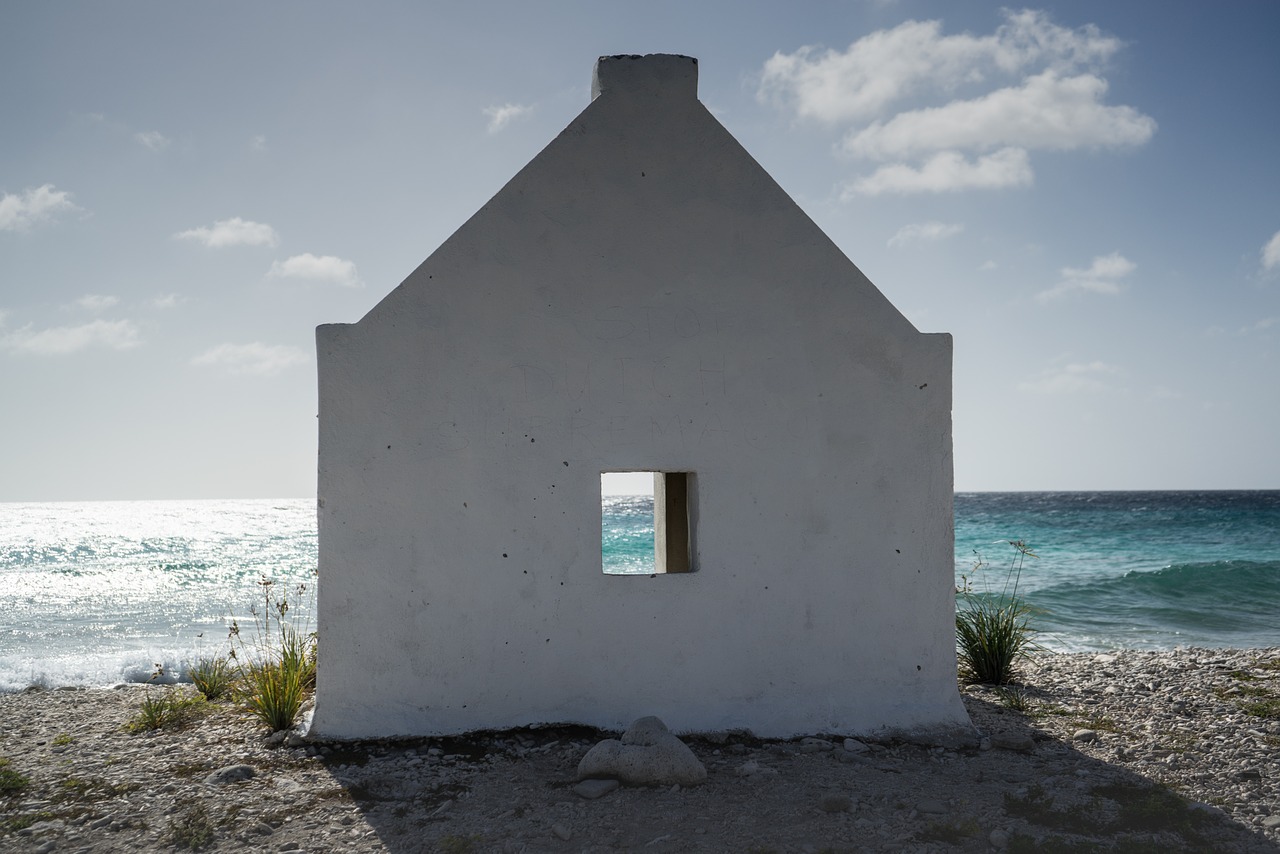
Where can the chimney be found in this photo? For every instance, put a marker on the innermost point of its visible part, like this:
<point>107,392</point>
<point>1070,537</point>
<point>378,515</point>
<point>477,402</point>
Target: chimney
<point>652,75</point>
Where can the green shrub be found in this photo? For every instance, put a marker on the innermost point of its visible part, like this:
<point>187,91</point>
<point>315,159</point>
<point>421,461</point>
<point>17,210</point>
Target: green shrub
<point>192,829</point>
<point>993,631</point>
<point>11,782</point>
<point>166,708</point>
<point>277,666</point>
<point>273,691</point>
<point>213,677</point>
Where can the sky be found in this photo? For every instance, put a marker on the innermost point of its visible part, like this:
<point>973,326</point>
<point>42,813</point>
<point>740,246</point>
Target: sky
<point>1086,195</point>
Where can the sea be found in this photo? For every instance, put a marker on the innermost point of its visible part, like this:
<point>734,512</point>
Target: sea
<point>98,593</point>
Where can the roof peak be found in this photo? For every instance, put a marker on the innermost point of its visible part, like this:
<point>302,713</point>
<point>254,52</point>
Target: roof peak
<point>654,74</point>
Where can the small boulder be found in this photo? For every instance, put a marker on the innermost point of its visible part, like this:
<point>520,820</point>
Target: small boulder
<point>230,774</point>
<point>1013,741</point>
<point>647,755</point>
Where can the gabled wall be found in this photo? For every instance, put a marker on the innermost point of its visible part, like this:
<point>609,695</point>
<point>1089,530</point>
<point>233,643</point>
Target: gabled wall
<point>641,296</point>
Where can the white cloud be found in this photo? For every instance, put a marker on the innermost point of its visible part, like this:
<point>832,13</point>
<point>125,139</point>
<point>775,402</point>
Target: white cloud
<point>63,340</point>
<point>501,116</point>
<point>914,57</point>
<point>164,301</point>
<point>1071,379</point>
<point>258,143</point>
<point>97,302</point>
<point>1103,276</point>
<point>948,171</point>
<point>987,265</point>
<point>232,232</point>
<point>922,232</point>
<point>1046,112</point>
<point>32,207</point>
<point>1039,86</point>
<point>153,140</point>
<point>1271,253</point>
<point>1260,326</point>
<point>255,359</point>
<point>325,268</point>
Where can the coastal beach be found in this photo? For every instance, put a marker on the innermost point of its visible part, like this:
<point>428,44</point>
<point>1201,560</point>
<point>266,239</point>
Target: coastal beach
<point>97,593</point>
<point>1125,751</point>
<point>100,592</point>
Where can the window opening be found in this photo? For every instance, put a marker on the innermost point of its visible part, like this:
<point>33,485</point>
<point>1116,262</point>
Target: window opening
<point>645,526</point>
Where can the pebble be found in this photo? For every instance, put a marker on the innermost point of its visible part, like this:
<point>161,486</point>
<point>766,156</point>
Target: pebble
<point>835,802</point>
<point>1013,741</point>
<point>592,789</point>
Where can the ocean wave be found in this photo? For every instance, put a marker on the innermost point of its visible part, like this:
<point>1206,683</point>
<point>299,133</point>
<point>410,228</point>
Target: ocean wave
<point>103,669</point>
<point>1232,601</point>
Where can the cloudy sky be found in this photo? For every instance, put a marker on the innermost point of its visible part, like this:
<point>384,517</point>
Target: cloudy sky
<point>1085,194</point>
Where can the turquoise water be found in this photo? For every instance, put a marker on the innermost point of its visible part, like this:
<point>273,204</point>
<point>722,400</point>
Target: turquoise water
<point>626,534</point>
<point>99,592</point>
<point>1140,570</point>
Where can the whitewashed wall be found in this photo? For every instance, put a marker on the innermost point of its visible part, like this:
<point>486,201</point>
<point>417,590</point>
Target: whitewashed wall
<point>641,296</point>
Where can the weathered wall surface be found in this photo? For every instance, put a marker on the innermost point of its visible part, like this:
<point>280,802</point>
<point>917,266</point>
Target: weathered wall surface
<point>641,296</point>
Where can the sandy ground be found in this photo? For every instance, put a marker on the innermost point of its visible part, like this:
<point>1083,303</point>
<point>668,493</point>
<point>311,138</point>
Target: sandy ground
<point>1131,752</point>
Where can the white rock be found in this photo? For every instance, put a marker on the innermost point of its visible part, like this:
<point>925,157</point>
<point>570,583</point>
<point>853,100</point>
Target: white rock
<point>648,754</point>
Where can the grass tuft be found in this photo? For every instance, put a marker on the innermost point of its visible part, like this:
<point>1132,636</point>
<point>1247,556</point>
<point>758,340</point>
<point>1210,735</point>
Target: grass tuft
<point>277,668</point>
<point>11,782</point>
<point>192,829</point>
<point>992,636</point>
<point>993,631</point>
<point>273,691</point>
<point>166,708</point>
<point>1016,699</point>
<point>213,677</point>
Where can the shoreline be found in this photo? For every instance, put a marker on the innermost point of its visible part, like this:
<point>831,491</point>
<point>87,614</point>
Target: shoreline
<point>1085,752</point>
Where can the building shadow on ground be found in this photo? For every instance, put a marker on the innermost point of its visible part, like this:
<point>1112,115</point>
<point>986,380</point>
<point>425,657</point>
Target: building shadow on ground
<point>513,791</point>
<point>1069,800</point>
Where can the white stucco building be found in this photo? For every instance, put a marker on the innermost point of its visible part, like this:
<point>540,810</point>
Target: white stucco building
<point>641,297</point>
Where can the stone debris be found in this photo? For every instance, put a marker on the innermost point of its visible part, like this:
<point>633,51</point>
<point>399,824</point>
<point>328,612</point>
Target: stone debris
<point>1195,723</point>
<point>647,755</point>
